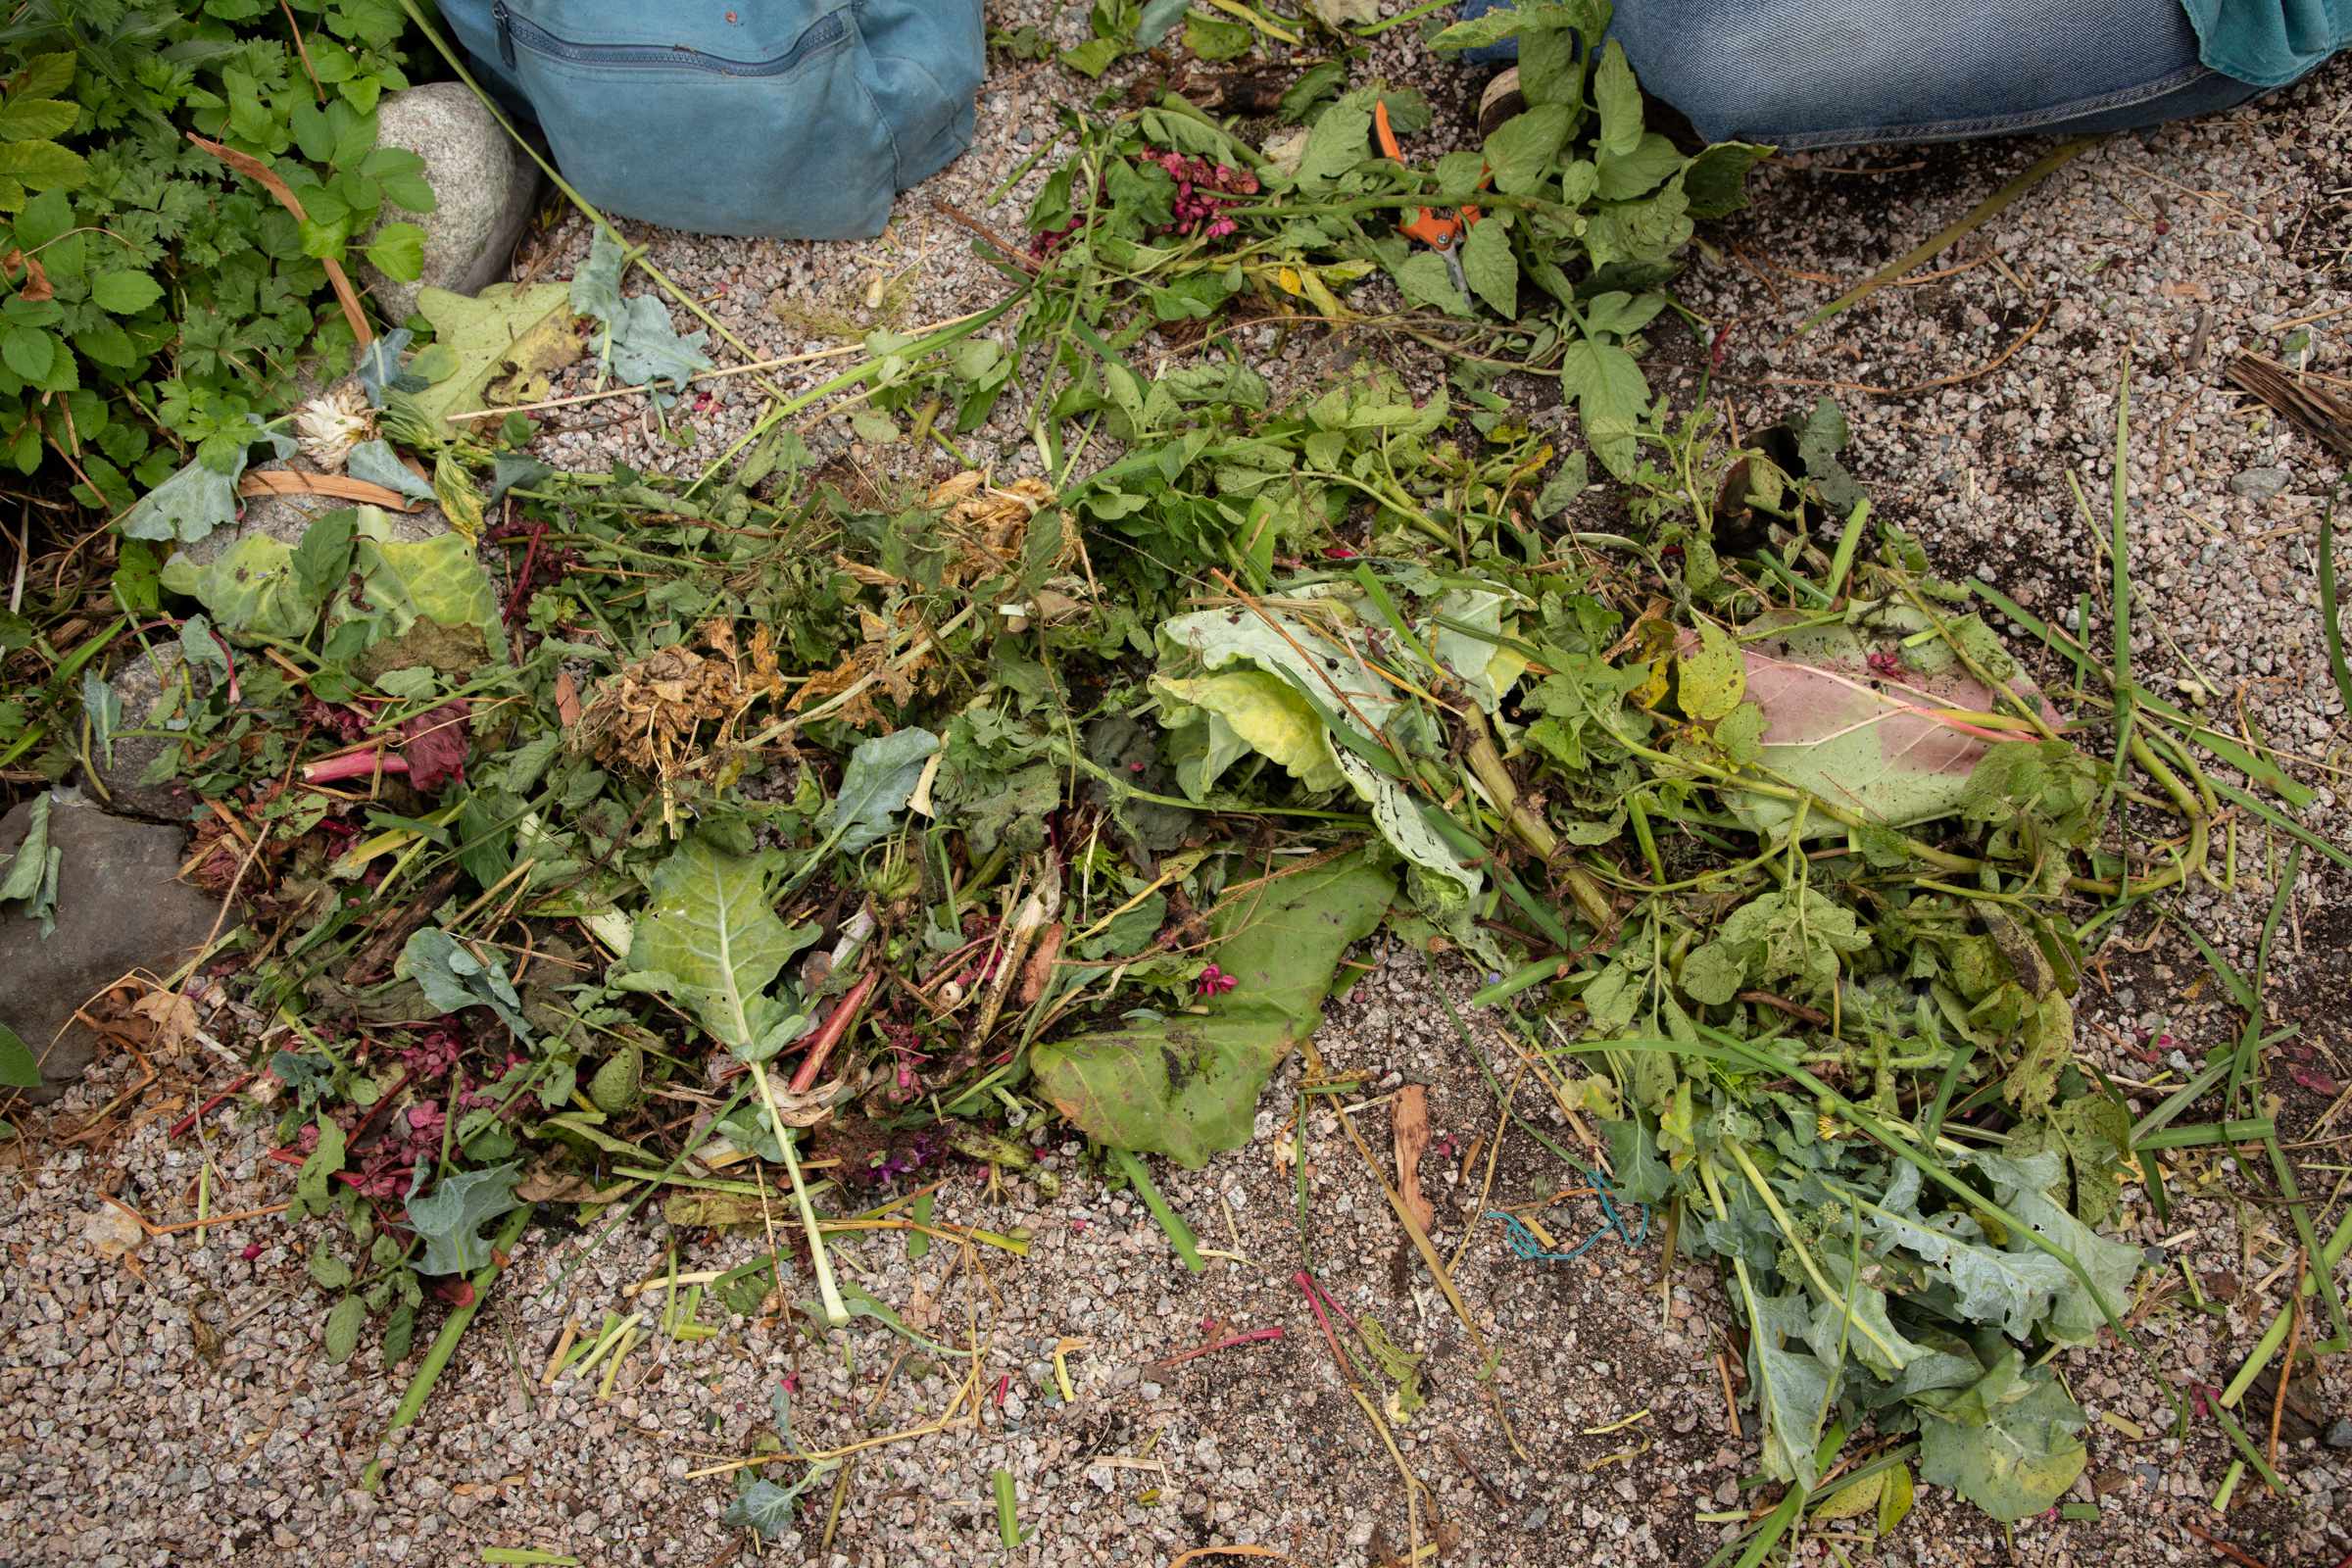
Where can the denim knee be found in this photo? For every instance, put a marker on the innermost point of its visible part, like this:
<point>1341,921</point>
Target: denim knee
<point>1821,73</point>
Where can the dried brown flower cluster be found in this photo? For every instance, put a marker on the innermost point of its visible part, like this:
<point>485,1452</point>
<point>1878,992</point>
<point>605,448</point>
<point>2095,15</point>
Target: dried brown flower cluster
<point>651,716</point>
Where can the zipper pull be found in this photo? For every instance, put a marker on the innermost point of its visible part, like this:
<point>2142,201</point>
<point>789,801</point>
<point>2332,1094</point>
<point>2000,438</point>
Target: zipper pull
<point>506,34</point>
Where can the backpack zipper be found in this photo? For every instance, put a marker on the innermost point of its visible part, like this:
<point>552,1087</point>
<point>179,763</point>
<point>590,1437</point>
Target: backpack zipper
<point>825,30</point>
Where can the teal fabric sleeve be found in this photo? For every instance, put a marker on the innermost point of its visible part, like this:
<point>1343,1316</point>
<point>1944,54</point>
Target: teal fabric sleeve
<point>2269,42</point>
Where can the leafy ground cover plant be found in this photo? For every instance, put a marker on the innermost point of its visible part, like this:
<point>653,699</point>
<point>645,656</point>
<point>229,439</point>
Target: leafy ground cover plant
<point>666,829</point>
<point>157,301</point>
<point>1164,222</point>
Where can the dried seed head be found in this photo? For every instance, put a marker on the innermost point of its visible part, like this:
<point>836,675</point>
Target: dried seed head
<point>330,424</point>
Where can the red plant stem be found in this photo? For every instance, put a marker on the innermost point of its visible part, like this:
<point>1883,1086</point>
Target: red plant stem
<point>231,660</point>
<point>353,764</point>
<point>1314,1299</point>
<point>1004,1382</point>
<point>1253,1337</point>
<point>831,1032</point>
<point>522,581</point>
<point>181,1127</point>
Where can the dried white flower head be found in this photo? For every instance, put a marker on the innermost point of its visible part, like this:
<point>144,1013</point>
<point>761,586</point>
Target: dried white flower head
<point>330,424</point>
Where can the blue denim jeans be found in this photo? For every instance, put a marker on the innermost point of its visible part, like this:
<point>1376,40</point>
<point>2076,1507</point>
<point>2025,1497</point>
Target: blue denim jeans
<point>1801,74</point>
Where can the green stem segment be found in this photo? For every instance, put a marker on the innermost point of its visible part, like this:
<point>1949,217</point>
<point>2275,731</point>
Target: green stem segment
<point>445,1344</point>
<point>829,1294</point>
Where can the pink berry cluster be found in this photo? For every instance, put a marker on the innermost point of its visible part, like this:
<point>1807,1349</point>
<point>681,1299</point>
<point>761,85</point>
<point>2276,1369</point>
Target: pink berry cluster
<point>1199,186</point>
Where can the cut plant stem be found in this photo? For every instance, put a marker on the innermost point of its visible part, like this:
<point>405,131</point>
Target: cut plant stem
<point>445,1344</point>
<point>829,1294</point>
<point>1180,1235</point>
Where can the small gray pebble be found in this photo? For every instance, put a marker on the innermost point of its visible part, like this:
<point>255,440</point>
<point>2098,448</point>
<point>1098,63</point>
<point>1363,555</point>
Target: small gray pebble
<point>2339,1435</point>
<point>2260,484</point>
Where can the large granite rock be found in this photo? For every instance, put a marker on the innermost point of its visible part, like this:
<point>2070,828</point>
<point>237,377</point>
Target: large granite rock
<point>119,906</point>
<point>484,187</point>
<point>155,688</point>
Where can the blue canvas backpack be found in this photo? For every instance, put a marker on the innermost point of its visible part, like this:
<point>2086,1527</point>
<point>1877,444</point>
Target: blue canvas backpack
<point>785,119</point>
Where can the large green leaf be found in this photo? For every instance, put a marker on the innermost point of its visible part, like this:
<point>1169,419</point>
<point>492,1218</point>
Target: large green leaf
<point>186,507</point>
<point>1245,710</point>
<point>250,589</point>
<point>1791,1389</point>
<point>2022,1187</point>
<point>476,338</point>
<point>401,581</point>
<point>1883,746</point>
<point>2013,1289</point>
<point>713,941</point>
<point>2008,1443</point>
<point>453,978</point>
<point>1320,663</point>
<point>1186,1087</point>
<point>1611,397</point>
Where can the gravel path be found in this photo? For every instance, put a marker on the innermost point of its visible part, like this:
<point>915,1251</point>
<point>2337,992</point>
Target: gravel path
<point>172,1405</point>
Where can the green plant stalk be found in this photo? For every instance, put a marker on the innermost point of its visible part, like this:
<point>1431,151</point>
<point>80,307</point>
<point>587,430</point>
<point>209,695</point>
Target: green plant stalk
<point>445,1344</point>
<point>829,1292</point>
<point>2329,626</point>
<point>1847,543</point>
<point>1180,1234</point>
<point>1978,216</point>
<point>2322,1265</point>
<point>2242,1065</point>
<point>2300,1213</point>
<point>1780,1218</point>
<point>2245,1445</point>
<point>1009,1522</point>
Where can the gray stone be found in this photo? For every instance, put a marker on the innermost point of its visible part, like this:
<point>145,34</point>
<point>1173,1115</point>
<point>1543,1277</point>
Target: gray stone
<point>483,184</point>
<point>120,906</point>
<point>2339,1435</point>
<point>2260,484</point>
<point>154,696</point>
<point>286,517</point>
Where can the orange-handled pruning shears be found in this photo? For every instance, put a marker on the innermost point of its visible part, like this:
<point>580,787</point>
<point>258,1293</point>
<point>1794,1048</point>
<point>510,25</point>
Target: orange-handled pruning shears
<point>1437,231</point>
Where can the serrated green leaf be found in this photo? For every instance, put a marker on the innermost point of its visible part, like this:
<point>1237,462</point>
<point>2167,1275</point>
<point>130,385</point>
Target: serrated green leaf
<point>1524,153</point>
<point>29,350</point>
<point>45,75</point>
<point>1618,97</point>
<point>328,1270</point>
<point>1489,267</point>
<point>1612,399</point>
<point>42,165</point>
<point>27,118</point>
<point>125,293</point>
<point>396,250</point>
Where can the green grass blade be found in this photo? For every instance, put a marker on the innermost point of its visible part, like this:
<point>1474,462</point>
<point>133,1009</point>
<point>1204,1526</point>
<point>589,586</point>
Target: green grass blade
<point>2329,624</point>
